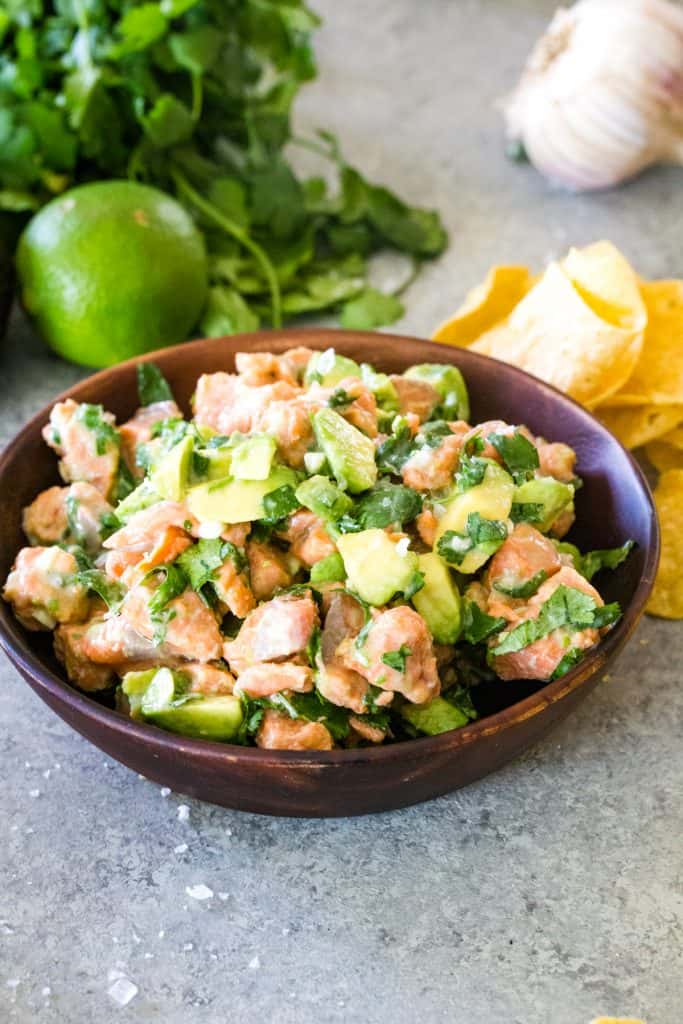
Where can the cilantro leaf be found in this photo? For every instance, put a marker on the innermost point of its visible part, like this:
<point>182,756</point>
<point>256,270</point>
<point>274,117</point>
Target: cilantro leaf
<point>526,589</point>
<point>111,592</point>
<point>173,584</point>
<point>397,659</point>
<point>201,561</point>
<point>566,607</point>
<point>477,626</point>
<point>527,512</point>
<point>279,504</point>
<point>604,558</point>
<point>152,385</point>
<point>385,505</point>
<point>519,455</point>
<point>371,309</point>
<point>573,656</point>
<point>485,534</point>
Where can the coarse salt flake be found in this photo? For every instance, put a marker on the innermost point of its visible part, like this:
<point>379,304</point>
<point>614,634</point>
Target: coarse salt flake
<point>165,791</point>
<point>180,848</point>
<point>199,892</point>
<point>254,963</point>
<point>122,990</point>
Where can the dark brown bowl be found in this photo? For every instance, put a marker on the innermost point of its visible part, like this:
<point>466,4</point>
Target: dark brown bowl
<point>614,504</point>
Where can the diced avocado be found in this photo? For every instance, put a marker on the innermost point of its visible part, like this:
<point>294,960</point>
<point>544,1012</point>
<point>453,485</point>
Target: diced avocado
<point>170,475</point>
<point>315,462</point>
<point>492,499</point>
<point>236,501</point>
<point>219,461</point>
<point>553,497</point>
<point>134,685</point>
<point>323,497</point>
<point>350,453</point>
<point>565,548</point>
<point>434,717</point>
<point>376,567</point>
<point>448,381</point>
<point>252,458</point>
<point>142,497</point>
<point>165,702</point>
<point>329,570</point>
<point>381,386</point>
<point>328,368</point>
<point>438,601</point>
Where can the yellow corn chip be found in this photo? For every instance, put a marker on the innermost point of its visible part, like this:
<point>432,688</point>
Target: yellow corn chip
<point>658,376</point>
<point>487,304</point>
<point>585,344</point>
<point>664,456</point>
<point>641,424</point>
<point>608,284</point>
<point>674,438</point>
<point>667,596</point>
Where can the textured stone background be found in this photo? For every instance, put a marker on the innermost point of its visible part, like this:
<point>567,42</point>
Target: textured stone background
<point>548,892</point>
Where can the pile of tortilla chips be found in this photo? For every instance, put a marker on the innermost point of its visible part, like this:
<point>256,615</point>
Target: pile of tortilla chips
<point>592,328</point>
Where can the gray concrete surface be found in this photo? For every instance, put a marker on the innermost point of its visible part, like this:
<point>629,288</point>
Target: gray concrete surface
<point>550,892</point>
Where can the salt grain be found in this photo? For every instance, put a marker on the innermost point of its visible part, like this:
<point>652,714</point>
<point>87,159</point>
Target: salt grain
<point>13,983</point>
<point>199,892</point>
<point>46,773</point>
<point>46,991</point>
<point>183,812</point>
<point>33,793</point>
<point>223,895</point>
<point>122,990</point>
<point>188,947</point>
<point>254,963</point>
<point>180,848</point>
<point>162,933</point>
<point>165,791</point>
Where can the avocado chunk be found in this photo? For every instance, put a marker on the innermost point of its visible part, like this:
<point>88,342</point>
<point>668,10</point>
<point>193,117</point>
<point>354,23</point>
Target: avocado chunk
<point>549,498</point>
<point>329,570</point>
<point>376,567</point>
<point>172,472</point>
<point>219,461</point>
<point>350,454</point>
<point>166,703</point>
<point>236,501</point>
<point>134,685</point>
<point>381,386</point>
<point>449,382</point>
<point>142,497</point>
<point>328,368</point>
<point>324,498</point>
<point>438,601</point>
<point>434,717</point>
<point>252,458</point>
<point>491,499</point>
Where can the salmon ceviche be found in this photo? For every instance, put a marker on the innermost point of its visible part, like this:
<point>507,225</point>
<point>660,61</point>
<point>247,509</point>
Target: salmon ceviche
<point>323,556</point>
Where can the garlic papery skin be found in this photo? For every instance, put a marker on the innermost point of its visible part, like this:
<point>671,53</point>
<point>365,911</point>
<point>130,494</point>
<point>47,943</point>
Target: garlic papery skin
<point>601,97</point>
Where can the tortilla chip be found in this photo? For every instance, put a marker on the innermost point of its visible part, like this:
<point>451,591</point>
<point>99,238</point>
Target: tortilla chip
<point>664,456</point>
<point>608,284</point>
<point>641,424</point>
<point>584,344</point>
<point>658,376</point>
<point>486,305</point>
<point>667,596</point>
<point>674,437</point>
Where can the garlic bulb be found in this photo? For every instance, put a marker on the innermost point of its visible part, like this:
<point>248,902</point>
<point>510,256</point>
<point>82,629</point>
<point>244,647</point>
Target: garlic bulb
<point>601,96</point>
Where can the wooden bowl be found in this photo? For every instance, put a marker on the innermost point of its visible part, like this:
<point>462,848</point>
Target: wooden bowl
<point>614,504</point>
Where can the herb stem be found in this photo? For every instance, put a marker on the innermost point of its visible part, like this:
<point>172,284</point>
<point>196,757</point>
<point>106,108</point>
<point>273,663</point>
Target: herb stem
<point>238,233</point>
<point>197,97</point>
<point>316,147</point>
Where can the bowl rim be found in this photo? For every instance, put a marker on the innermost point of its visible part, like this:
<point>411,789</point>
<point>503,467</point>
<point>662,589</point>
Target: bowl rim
<point>15,643</point>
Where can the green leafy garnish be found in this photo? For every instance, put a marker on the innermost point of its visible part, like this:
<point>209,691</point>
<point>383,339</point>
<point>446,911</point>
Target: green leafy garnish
<point>527,512</point>
<point>477,626</point>
<point>174,583</point>
<point>201,561</point>
<point>385,505</point>
<point>568,660</point>
<point>104,434</point>
<point>152,385</point>
<point>519,455</point>
<point>279,504</point>
<point>470,473</point>
<point>605,558</point>
<point>526,589</point>
<point>111,592</point>
<point>397,659</point>
<point>566,607</point>
<point>485,534</point>
<point>339,399</point>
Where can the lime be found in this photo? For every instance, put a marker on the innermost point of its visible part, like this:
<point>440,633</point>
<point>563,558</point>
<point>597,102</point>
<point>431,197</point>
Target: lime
<point>111,270</point>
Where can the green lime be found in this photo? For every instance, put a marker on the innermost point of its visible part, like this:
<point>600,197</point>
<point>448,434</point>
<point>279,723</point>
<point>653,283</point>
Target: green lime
<point>111,270</point>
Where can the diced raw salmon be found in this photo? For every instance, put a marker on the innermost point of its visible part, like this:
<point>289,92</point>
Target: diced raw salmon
<point>276,630</point>
<point>84,673</point>
<point>564,522</point>
<point>416,396</point>
<point>209,680</point>
<point>273,677</point>
<point>344,618</point>
<point>141,532</point>
<point>540,659</point>
<point>289,422</point>
<point>259,368</point>
<point>138,430</point>
<point>427,523</point>
<point>361,412</point>
<point>236,533</point>
<point>556,459</point>
<point>390,630</point>
<point>224,402</point>
<point>279,732</point>
<point>268,569</point>
<point>430,469</point>
<point>343,686</point>
<point>71,515</point>
<point>85,454</point>
<point>233,589</point>
<point>190,628</point>
<point>43,590</point>
<point>308,539</point>
<point>111,640</point>
<point>366,731</point>
<point>522,555</point>
<point>172,541</point>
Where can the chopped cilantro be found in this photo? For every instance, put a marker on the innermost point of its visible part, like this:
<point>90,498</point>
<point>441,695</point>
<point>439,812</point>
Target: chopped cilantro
<point>201,561</point>
<point>397,659</point>
<point>279,504</point>
<point>152,385</point>
<point>604,558</point>
<point>518,453</point>
<point>527,512</point>
<point>105,435</point>
<point>566,607</point>
<point>485,534</point>
<point>526,589</point>
<point>477,626</point>
<point>385,505</point>
<point>111,592</point>
<point>569,660</point>
<point>174,583</point>
<point>339,399</point>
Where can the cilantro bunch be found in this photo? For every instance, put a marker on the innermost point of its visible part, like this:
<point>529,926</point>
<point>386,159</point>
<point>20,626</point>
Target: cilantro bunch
<point>195,97</point>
